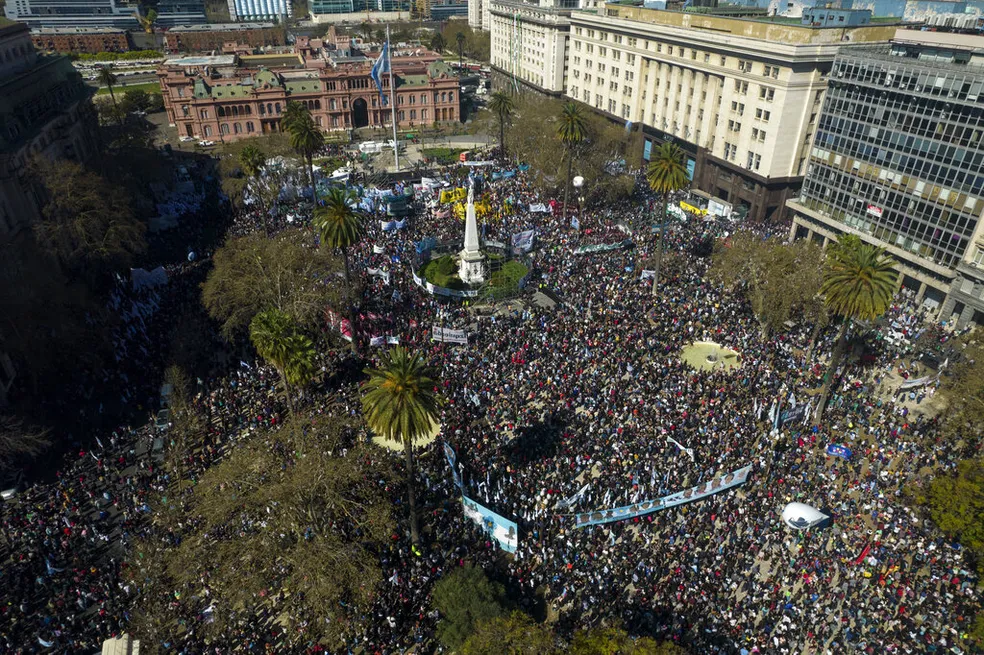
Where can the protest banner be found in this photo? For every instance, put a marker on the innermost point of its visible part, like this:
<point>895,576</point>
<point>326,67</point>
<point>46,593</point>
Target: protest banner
<point>523,241</point>
<point>704,490</point>
<point>448,335</point>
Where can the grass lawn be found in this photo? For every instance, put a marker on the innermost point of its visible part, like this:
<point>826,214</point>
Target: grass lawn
<point>443,272</point>
<point>120,89</point>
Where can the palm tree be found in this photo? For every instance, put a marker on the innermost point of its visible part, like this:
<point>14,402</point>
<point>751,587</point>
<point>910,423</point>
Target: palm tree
<point>341,227</point>
<point>400,404</point>
<point>293,112</point>
<point>306,139</point>
<point>437,42</point>
<point>572,131</point>
<point>277,340</point>
<point>665,174</point>
<point>147,20</point>
<point>858,283</point>
<point>502,106</point>
<point>251,161</point>
<point>107,78</point>
<point>460,39</point>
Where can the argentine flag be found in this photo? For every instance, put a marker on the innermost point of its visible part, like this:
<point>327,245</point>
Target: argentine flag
<point>381,66</point>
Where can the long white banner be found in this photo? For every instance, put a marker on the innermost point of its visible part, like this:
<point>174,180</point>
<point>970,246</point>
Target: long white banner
<point>447,335</point>
<point>704,490</point>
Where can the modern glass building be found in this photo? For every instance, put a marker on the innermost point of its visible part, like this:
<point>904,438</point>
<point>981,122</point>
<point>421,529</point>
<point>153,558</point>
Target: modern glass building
<point>100,13</point>
<point>897,159</point>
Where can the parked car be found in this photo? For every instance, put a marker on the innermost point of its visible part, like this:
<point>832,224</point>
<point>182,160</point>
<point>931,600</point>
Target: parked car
<point>186,139</point>
<point>206,144</point>
<point>11,484</point>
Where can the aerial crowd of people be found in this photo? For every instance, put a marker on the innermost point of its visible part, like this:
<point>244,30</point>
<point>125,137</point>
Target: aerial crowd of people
<point>586,392</point>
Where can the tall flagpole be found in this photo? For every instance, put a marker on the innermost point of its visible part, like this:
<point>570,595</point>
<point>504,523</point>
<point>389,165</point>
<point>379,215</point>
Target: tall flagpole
<point>389,64</point>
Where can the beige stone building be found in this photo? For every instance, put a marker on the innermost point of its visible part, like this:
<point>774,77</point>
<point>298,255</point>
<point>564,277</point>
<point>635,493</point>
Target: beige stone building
<point>740,95</point>
<point>529,43</point>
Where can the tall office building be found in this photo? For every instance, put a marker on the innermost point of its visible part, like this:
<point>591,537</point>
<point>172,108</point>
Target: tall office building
<point>530,42</point>
<point>739,94</point>
<point>897,160</point>
<point>100,13</point>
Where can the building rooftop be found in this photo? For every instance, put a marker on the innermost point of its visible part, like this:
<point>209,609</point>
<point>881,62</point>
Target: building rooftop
<point>221,27</point>
<point>214,60</point>
<point>280,60</point>
<point>77,30</point>
<point>780,29</point>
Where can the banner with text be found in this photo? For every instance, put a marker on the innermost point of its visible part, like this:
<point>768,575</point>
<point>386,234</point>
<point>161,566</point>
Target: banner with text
<point>504,531</point>
<point>448,335</point>
<point>704,490</point>
<point>523,240</point>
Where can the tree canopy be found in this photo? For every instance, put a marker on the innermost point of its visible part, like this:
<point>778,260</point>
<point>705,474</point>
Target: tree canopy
<point>286,272</point>
<point>300,508</point>
<point>778,279</point>
<point>465,598</point>
<point>956,504</point>
<point>511,634</point>
<point>963,392</point>
<point>87,223</point>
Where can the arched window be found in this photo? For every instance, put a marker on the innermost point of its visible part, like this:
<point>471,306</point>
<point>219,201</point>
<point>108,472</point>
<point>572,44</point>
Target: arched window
<point>262,110</point>
<point>317,119</point>
<point>237,128</point>
<point>208,130</point>
<point>331,104</point>
<point>317,104</point>
<point>249,127</point>
<point>423,114</point>
<point>451,97</point>
<point>224,128</point>
<point>277,107</point>
<point>423,98</point>
<point>220,111</point>
<point>444,97</point>
<point>270,108</point>
<point>249,110</point>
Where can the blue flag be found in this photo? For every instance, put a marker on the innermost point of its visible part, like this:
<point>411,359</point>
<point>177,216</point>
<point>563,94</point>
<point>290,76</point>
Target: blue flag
<point>382,65</point>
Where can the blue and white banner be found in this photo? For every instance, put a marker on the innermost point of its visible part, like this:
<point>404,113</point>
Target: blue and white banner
<point>837,450</point>
<point>453,463</point>
<point>716,485</point>
<point>504,531</point>
<point>381,66</point>
<point>380,273</point>
<point>647,274</point>
<point>389,226</point>
<point>539,208</point>
<point>523,240</point>
<point>575,223</point>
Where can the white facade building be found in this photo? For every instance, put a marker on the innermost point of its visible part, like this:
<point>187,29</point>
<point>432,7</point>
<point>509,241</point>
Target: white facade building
<point>740,96</point>
<point>530,43</point>
<point>475,8</point>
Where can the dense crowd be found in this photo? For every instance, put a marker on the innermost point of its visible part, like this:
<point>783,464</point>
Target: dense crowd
<point>542,401</point>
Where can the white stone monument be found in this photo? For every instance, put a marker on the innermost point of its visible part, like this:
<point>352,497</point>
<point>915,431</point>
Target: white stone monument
<point>471,265</point>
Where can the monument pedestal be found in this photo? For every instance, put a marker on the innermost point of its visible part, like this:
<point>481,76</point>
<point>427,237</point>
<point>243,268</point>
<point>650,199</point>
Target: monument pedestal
<point>471,266</point>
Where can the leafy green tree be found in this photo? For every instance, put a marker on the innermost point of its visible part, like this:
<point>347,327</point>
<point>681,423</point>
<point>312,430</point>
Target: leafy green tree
<point>615,641</point>
<point>963,392</point>
<point>366,31</point>
<point>512,634</point>
<point>341,227</point>
<point>253,273</point>
<point>666,175</point>
<point>437,43</point>
<point>502,105</point>
<point>400,403</point>
<point>307,140</point>
<point>778,279</point>
<point>466,598</point>
<point>572,132</point>
<point>134,100</point>
<point>976,634</point>
<point>19,441</point>
<point>956,505</point>
<point>87,224</point>
<point>311,560</point>
<point>277,340</point>
<point>858,283</point>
